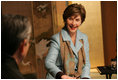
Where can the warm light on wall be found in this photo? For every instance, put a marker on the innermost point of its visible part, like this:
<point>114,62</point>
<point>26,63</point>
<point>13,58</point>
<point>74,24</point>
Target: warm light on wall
<point>93,28</point>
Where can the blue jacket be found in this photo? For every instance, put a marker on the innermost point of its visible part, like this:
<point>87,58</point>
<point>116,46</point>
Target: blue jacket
<point>53,60</point>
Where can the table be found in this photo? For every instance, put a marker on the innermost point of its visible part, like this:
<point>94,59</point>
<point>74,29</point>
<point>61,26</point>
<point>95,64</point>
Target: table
<point>106,70</point>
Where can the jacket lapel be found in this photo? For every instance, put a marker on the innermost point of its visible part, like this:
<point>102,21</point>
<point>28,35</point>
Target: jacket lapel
<point>74,49</point>
<point>78,44</point>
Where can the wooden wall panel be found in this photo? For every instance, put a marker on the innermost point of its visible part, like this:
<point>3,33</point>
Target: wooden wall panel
<point>17,7</point>
<point>60,6</point>
<point>43,29</point>
<point>109,22</point>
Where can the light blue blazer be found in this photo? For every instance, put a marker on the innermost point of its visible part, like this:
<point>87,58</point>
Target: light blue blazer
<point>53,60</point>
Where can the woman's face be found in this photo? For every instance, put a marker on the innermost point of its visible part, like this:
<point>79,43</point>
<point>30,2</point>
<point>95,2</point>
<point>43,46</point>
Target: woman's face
<point>73,23</point>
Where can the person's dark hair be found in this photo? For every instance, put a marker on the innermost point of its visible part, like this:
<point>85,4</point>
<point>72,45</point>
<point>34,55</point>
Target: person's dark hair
<point>14,29</point>
<point>74,10</point>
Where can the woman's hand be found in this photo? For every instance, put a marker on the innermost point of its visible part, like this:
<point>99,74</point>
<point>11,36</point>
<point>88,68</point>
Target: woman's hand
<point>67,77</point>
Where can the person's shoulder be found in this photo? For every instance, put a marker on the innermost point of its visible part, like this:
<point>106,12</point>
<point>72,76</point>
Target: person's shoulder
<point>82,35</point>
<point>9,72</point>
<point>56,36</point>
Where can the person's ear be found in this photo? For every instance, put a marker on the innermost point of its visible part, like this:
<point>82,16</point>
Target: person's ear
<point>22,45</point>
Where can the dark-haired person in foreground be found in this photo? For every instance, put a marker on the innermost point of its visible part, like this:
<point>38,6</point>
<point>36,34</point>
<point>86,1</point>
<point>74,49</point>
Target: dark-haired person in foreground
<point>15,37</point>
<point>68,56</point>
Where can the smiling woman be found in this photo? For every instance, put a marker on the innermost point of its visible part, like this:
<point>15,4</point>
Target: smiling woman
<point>73,23</point>
<point>68,56</point>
